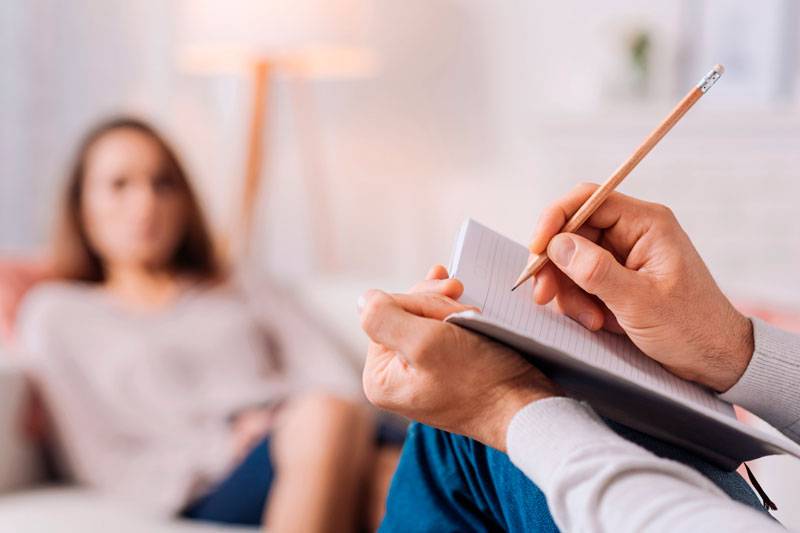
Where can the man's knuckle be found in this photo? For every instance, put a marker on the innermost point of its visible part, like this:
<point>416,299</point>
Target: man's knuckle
<point>443,300</point>
<point>376,387</point>
<point>371,314</point>
<point>550,211</point>
<point>374,393</point>
<point>424,346</point>
<point>661,213</point>
<point>435,298</point>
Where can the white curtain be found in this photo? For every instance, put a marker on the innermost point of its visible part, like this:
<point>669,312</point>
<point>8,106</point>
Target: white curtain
<point>65,65</point>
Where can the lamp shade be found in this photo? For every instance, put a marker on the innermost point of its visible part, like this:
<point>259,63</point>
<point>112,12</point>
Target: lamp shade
<point>318,37</point>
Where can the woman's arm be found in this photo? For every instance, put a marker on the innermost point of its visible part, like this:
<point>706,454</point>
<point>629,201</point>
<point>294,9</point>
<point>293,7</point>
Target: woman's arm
<point>308,354</point>
<point>595,480</point>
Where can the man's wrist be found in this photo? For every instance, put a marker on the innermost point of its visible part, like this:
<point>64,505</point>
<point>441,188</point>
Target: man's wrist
<point>734,357</point>
<point>514,401</point>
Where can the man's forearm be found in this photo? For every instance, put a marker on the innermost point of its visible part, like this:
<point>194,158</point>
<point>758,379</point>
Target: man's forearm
<point>770,386</point>
<point>595,480</point>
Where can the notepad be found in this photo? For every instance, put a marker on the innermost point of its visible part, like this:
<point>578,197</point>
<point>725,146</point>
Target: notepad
<point>604,369</point>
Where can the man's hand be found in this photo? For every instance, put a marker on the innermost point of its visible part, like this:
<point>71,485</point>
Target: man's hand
<point>441,374</point>
<point>632,269</point>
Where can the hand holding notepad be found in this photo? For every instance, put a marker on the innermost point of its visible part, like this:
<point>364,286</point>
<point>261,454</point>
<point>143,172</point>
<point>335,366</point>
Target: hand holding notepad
<point>440,374</point>
<point>603,368</point>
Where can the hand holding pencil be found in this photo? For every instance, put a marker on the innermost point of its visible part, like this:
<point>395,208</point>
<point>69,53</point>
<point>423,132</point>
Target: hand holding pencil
<point>632,270</point>
<point>580,216</point>
<point>629,268</point>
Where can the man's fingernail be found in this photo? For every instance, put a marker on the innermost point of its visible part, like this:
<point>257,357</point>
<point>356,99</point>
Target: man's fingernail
<point>561,250</point>
<point>587,319</point>
<point>360,303</point>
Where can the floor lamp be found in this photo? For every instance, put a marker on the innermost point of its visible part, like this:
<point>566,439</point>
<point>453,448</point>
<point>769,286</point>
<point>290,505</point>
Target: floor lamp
<point>298,68</point>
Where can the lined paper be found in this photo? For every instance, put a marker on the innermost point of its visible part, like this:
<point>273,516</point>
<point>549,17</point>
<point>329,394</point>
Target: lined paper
<point>488,263</point>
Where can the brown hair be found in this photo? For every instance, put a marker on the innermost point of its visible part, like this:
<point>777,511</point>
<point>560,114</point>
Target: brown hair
<point>74,257</point>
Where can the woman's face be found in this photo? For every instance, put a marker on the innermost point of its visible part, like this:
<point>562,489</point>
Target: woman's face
<point>134,213</point>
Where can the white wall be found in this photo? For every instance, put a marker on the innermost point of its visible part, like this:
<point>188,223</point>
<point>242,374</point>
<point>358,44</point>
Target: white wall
<point>486,113</point>
<point>482,109</point>
<point>64,66</point>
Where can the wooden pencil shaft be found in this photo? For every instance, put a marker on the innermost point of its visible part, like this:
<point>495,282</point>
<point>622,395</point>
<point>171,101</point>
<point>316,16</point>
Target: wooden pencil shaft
<point>602,192</point>
<point>586,210</point>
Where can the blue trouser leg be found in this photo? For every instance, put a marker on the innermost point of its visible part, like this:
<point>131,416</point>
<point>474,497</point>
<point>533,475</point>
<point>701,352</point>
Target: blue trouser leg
<point>447,482</point>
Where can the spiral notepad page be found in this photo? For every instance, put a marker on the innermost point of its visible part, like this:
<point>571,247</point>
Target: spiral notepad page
<point>605,369</point>
<point>488,264</point>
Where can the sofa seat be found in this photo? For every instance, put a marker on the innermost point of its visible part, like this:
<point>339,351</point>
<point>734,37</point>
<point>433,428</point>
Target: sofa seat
<point>68,509</point>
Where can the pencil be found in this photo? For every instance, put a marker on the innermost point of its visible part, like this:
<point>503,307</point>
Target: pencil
<point>536,262</point>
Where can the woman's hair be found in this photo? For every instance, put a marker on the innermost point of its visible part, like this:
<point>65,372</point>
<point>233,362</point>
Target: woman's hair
<point>74,257</point>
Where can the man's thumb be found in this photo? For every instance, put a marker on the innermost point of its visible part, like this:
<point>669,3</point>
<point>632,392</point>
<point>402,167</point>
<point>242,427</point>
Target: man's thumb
<point>591,267</point>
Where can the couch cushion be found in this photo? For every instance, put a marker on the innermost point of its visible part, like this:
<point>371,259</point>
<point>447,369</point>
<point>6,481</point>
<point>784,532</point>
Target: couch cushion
<point>19,460</point>
<point>72,509</point>
<point>16,277</point>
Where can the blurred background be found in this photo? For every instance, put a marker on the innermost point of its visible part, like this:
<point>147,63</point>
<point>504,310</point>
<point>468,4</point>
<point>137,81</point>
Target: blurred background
<point>452,109</point>
<point>362,132</point>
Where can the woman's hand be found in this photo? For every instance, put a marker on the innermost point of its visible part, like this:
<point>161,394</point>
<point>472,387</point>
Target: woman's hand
<point>438,373</point>
<point>249,427</point>
<point>632,269</point>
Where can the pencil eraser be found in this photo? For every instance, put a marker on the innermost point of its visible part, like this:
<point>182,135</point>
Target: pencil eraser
<point>719,68</point>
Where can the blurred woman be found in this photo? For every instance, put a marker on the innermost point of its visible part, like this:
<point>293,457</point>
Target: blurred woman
<point>168,383</point>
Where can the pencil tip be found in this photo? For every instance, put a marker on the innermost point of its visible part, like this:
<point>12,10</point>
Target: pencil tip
<point>513,288</point>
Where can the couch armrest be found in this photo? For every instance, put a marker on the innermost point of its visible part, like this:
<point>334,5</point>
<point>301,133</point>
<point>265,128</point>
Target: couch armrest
<point>20,464</point>
<point>17,276</point>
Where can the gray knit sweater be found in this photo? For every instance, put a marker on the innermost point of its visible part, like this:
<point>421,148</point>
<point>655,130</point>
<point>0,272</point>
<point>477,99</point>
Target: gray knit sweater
<point>596,481</point>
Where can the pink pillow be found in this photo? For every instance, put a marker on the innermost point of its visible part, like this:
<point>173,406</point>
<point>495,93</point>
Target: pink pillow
<point>17,276</point>
<point>778,316</point>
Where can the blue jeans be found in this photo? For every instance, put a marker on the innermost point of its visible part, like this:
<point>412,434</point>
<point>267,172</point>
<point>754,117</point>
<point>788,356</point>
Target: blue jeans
<point>447,482</point>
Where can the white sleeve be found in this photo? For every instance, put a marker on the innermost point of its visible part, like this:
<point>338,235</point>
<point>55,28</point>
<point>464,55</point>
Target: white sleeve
<point>595,480</point>
<point>770,386</point>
